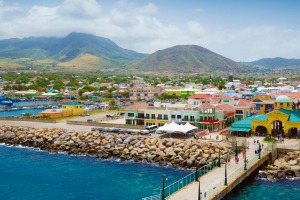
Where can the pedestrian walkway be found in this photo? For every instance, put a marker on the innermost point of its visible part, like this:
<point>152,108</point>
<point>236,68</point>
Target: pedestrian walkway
<point>212,181</point>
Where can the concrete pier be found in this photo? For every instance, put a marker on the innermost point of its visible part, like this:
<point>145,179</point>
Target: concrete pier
<point>212,184</point>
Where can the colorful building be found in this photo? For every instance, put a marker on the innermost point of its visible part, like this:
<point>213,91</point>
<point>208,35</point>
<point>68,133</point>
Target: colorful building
<point>284,119</point>
<point>75,107</point>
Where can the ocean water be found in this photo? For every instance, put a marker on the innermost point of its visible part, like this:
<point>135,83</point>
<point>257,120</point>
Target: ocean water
<point>18,113</point>
<point>258,189</point>
<point>31,174</point>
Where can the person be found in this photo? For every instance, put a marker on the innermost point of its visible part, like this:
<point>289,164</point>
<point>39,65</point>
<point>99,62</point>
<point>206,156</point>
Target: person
<point>228,161</point>
<point>254,141</point>
<point>243,154</point>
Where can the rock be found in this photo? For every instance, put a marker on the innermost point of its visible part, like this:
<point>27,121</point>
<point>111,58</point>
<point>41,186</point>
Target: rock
<point>292,162</point>
<point>281,175</point>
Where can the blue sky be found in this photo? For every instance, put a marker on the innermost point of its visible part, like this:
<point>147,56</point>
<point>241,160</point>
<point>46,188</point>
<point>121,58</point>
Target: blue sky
<point>243,30</point>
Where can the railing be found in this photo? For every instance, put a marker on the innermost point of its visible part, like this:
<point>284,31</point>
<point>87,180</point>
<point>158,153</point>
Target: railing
<point>183,182</point>
<point>234,175</point>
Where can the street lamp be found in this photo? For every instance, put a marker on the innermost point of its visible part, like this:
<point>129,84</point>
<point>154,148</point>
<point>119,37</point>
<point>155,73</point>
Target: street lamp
<point>259,150</point>
<point>219,161</point>
<point>236,150</point>
<point>245,162</point>
<point>163,188</point>
<point>225,182</point>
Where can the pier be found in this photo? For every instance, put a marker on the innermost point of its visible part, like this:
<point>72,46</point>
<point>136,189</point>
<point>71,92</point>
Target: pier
<point>217,182</point>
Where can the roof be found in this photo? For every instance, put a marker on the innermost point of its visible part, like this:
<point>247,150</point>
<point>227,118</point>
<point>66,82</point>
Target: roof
<point>225,107</point>
<point>72,104</point>
<point>137,107</point>
<point>206,105</point>
<point>239,129</point>
<point>294,115</point>
<point>247,122</point>
<point>283,98</point>
<point>199,96</point>
<point>244,103</point>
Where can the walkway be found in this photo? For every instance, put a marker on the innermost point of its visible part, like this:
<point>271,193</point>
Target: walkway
<point>214,180</point>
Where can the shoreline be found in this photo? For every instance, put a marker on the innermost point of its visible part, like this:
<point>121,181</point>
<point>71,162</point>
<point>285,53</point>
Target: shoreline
<point>284,167</point>
<point>175,153</point>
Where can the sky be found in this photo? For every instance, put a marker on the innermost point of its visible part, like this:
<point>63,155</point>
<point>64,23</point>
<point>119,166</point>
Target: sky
<point>243,30</point>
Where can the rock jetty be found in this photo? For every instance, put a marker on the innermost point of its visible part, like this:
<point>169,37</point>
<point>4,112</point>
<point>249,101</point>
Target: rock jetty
<point>284,167</point>
<point>162,151</point>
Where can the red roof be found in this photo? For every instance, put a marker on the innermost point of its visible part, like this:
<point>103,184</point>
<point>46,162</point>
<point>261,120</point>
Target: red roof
<point>206,105</point>
<point>199,96</point>
<point>137,107</point>
<point>227,98</point>
<point>291,95</point>
<point>245,103</point>
<point>225,107</point>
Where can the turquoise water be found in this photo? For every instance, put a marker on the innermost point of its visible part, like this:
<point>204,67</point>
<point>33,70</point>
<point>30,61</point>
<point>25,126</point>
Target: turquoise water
<point>18,113</point>
<point>31,174</point>
<point>265,190</point>
<point>30,103</point>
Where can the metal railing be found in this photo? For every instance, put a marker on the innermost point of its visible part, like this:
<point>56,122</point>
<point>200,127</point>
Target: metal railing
<point>234,175</point>
<point>183,182</point>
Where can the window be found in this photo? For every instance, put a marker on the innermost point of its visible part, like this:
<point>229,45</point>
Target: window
<point>173,116</point>
<point>146,95</point>
<point>166,117</point>
<point>239,112</point>
<point>192,118</point>
<point>152,116</point>
<point>178,116</point>
<point>186,118</point>
<point>288,104</point>
<point>147,116</point>
<point>159,116</point>
<point>138,94</point>
<point>130,114</point>
<point>155,94</point>
<point>201,118</point>
<point>281,104</point>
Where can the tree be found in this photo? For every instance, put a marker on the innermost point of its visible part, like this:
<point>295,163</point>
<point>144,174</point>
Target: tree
<point>112,104</point>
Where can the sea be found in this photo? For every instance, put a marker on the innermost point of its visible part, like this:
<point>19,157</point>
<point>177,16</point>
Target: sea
<point>28,173</point>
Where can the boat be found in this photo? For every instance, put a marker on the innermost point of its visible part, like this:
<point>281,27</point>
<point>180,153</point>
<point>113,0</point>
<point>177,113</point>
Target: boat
<point>16,100</point>
<point>7,102</point>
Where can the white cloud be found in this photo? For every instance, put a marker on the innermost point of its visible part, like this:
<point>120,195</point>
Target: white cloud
<point>138,27</point>
<point>80,9</point>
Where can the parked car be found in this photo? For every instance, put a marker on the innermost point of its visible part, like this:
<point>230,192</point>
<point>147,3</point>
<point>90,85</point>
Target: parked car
<point>90,120</point>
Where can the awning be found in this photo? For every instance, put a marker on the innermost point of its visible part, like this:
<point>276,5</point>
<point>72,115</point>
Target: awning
<point>239,129</point>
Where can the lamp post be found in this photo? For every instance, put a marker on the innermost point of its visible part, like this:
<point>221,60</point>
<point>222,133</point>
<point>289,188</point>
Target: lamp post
<point>245,162</point>
<point>259,150</point>
<point>236,150</point>
<point>219,160</point>
<point>163,188</point>
<point>225,182</point>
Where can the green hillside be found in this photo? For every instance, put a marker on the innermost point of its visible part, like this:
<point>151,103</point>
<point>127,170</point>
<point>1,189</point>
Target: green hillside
<point>185,58</point>
<point>66,49</point>
<point>276,63</point>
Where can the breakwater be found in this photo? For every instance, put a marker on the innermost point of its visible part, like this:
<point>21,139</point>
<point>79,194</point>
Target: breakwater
<point>162,151</point>
<point>287,166</point>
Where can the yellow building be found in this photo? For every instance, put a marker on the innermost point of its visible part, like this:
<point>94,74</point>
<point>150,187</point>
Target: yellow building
<point>55,113</point>
<point>263,103</point>
<point>284,119</point>
<point>75,107</point>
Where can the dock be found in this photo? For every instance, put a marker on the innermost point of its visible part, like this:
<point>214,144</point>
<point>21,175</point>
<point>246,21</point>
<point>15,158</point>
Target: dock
<point>213,184</point>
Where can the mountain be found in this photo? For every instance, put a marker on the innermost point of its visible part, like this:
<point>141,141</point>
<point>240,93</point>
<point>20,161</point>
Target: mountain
<point>67,48</point>
<point>185,58</point>
<point>275,63</point>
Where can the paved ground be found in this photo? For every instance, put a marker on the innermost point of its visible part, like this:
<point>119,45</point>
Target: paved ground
<point>214,177</point>
<point>210,180</point>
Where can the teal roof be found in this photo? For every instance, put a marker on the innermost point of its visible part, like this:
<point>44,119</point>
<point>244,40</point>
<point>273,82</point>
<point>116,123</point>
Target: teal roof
<point>72,104</point>
<point>246,123</point>
<point>283,98</point>
<point>240,129</point>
